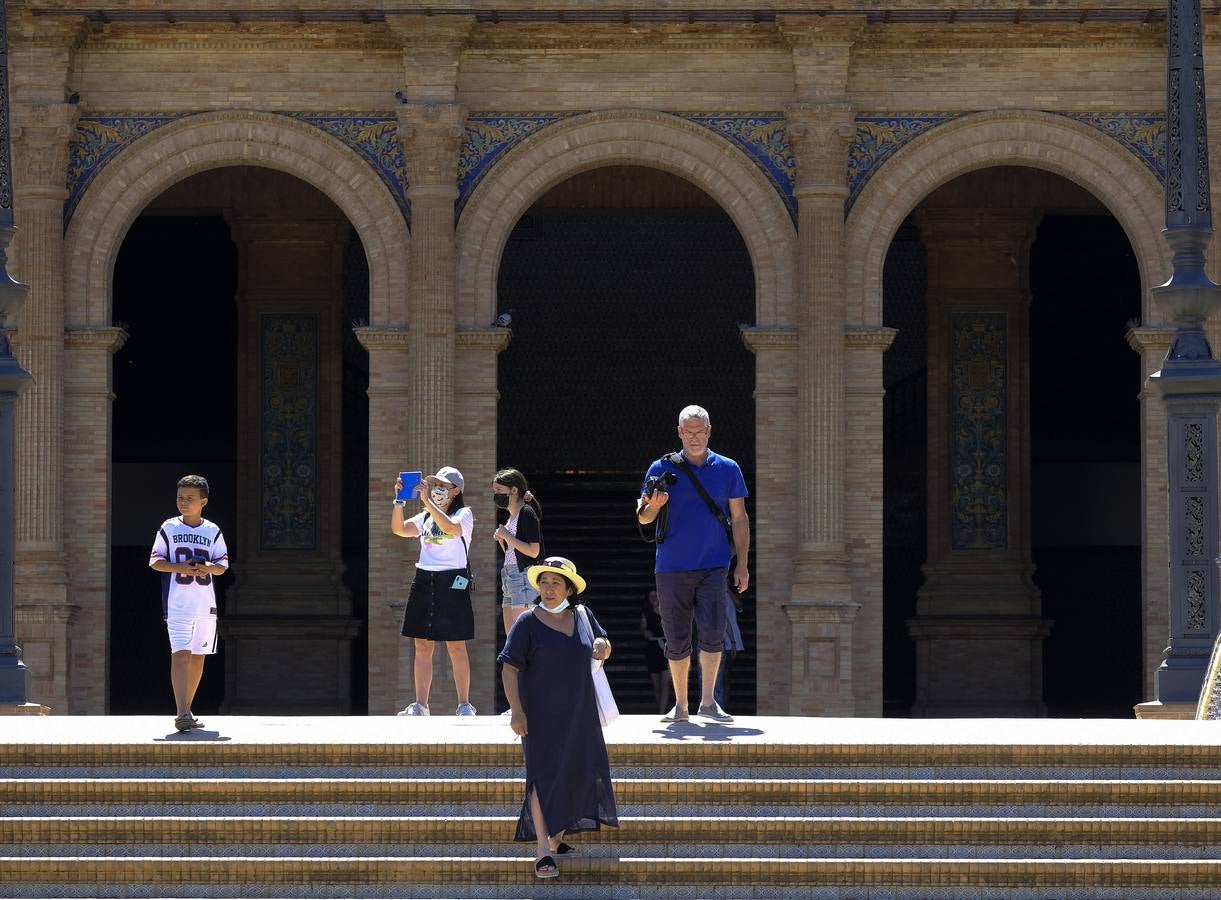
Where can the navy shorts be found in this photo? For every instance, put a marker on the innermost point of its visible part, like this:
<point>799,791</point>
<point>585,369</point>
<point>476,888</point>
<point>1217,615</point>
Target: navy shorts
<point>698,594</point>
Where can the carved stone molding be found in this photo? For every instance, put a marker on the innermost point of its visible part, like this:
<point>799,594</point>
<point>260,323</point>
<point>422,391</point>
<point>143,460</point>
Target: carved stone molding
<point>822,51</point>
<point>877,338</point>
<point>375,339</point>
<point>431,134</point>
<point>495,339</point>
<point>1144,338</point>
<point>42,135</point>
<point>102,339</point>
<point>757,339</point>
<point>46,613</point>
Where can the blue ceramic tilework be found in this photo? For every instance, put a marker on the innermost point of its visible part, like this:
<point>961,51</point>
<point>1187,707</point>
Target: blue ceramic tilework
<point>375,139</point>
<point>763,137</point>
<point>879,137</point>
<point>1143,134</point>
<point>489,135</point>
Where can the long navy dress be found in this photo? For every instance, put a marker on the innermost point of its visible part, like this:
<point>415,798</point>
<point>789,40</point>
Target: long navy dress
<point>565,753</point>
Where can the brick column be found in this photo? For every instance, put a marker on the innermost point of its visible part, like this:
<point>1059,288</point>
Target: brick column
<point>1152,342</point>
<point>477,400</point>
<point>88,400</point>
<point>390,558</point>
<point>42,134</point>
<point>288,609</point>
<point>775,510</point>
<point>978,627</point>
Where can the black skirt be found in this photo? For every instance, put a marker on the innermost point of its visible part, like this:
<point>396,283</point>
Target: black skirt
<point>436,610</point>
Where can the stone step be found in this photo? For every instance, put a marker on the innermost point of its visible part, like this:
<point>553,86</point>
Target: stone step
<point>1198,875</point>
<point>1005,792</point>
<point>644,830</point>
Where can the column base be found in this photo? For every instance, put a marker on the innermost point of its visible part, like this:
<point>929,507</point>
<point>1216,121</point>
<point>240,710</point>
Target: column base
<point>24,709</point>
<point>288,665</point>
<point>1156,709</point>
<point>821,657</point>
<point>969,666</point>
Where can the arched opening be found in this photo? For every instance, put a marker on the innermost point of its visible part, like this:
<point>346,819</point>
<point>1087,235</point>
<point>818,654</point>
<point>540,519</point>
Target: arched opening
<point>238,287</point>
<point>626,286</point>
<point>1012,450</point>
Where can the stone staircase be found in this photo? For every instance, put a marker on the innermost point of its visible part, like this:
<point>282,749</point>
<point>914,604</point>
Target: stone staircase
<point>762,808</point>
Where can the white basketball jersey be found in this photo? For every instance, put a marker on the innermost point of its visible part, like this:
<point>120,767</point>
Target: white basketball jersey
<point>188,596</point>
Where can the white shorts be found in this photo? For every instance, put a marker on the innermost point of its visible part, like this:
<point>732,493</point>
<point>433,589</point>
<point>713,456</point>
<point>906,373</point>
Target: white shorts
<point>197,635</point>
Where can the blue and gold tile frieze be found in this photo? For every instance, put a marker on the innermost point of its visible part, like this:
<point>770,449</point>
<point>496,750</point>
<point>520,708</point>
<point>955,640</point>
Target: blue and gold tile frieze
<point>489,135</point>
<point>98,139</point>
<point>979,442</point>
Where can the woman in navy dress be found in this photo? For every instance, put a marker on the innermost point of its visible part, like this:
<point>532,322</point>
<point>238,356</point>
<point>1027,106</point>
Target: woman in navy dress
<point>548,685</point>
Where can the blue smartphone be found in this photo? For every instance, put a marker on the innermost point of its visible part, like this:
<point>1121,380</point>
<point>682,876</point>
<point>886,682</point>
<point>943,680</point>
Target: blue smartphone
<point>410,480</point>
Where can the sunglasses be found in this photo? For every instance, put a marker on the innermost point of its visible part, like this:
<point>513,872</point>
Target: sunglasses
<point>557,564</point>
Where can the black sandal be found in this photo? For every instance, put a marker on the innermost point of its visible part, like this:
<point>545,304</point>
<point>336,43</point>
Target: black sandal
<point>544,863</point>
<point>563,849</point>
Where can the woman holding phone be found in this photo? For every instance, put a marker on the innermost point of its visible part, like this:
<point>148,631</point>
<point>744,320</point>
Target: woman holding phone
<point>439,605</point>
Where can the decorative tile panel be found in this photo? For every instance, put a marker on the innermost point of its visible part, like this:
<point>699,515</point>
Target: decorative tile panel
<point>1143,134</point>
<point>375,139</point>
<point>978,444</point>
<point>1193,453</point>
<point>879,137</point>
<point>1197,601</point>
<point>98,139</point>
<point>489,135</point>
<point>288,430</point>
<point>762,136</point>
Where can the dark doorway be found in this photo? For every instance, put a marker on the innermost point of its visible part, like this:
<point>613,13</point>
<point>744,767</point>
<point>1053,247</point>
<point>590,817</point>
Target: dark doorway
<point>627,287</point>
<point>174,283</point>
<point>1085,463</point>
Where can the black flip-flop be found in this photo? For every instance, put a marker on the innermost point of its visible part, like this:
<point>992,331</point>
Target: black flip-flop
<point>563,849</point>
<point>544,862</point>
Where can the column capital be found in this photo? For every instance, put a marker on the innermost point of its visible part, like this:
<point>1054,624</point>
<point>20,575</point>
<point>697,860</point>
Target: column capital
<point>495,339</point>
<point>42,135</point>
<point>820,135</point>
<point>822,51</point>
<point>876,338</point>
<point>760,339</point>
<point>432,135</point>
<point>1156,338</point>
<point>100,338</point>
<point>432,52</point>
<point>376,339</point>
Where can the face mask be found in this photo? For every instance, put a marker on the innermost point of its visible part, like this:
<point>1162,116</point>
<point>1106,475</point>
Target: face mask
<point>501,500</point>
<point>555,611</point>
<point>439,495</point>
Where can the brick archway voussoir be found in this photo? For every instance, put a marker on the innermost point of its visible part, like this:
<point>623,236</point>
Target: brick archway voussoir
<point>141,172</point>
<point>630,137</point>
<point>1037,140</point>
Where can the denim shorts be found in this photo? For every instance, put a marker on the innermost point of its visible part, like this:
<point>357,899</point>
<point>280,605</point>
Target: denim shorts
<point>515,590</point>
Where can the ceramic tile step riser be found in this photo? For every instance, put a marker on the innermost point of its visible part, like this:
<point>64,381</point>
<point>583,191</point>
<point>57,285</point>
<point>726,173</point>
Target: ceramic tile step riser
<point>972,792</point>
<point>704,745</point>
<point>996,831</point>
<point>910,872</point>
<point>570,890</point>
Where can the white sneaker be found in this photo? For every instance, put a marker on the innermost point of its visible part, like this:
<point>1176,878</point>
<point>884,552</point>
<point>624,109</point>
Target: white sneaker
<point>464,709</point>
<point>416,709</point>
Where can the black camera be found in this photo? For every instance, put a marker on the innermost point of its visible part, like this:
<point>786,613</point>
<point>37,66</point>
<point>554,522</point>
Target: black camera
<point>659,482</point>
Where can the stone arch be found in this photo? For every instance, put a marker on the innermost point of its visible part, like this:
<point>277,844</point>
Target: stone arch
<point>139,173</point>
<point>626,137</point>
<point>1038,140</point>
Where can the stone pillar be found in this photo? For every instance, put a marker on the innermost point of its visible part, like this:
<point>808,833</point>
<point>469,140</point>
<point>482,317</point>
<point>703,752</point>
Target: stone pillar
<point>478,398</point>
<point>431,130</point>
<point>390,557</point>
<point>88,400</point>
<point>42,134</point>
<point>1152,342</point>
<point>978,627</point>
<point>864,414</point>
<point>775,510</point>
<point>288,609</point>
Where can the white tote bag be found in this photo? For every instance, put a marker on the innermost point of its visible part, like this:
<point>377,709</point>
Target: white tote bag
<point>608,710</point>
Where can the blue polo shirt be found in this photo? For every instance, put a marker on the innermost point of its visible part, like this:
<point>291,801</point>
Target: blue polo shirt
<point>694,539</point>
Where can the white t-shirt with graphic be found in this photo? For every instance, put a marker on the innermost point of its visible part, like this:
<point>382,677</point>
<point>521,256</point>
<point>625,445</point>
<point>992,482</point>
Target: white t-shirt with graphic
<point>188,596</point>
<point>440,551</point>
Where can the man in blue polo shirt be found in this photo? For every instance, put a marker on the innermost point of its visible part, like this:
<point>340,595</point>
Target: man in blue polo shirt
<point>693,554</point>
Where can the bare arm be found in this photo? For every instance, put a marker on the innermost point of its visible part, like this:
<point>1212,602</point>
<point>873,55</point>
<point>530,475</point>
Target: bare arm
<point>508,678</point>
<point>647,508</point>
<point>399,524</point>
<point>741,541</point>
<point>519,547</point>
<point>444,522</point>
<point>164,565</point>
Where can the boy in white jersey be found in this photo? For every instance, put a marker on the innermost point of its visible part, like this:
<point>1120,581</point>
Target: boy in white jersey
<point>188,550</point>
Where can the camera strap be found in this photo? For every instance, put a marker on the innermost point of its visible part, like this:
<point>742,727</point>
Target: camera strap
<point>717,513</point>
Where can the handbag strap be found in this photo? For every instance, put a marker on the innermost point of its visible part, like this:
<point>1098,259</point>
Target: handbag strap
<point>584,617</point>
<point>717,513</point>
